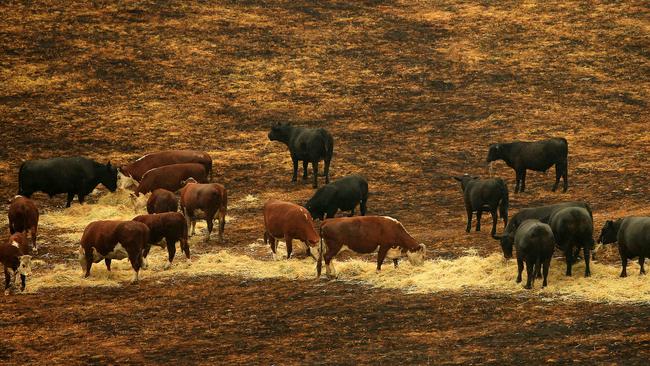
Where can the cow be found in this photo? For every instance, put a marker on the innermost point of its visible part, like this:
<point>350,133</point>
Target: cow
<point>288,221</point>
<point>343,194</point>
<point>170,226</point>
<point>535,243</point>
<point>367,234</point>
<point>633,237</point>
<point>23,217</point>
<point>162,200</point>
<point>16,260</point>
<point>209,198</point>
<point>538,156</point>
<point>309,145</point>
<point>132,173</point>
<point>113,239</point>
<point>72,175</point>
<point>170,177</point>
<point>573,229</point>
<point>484,194</point>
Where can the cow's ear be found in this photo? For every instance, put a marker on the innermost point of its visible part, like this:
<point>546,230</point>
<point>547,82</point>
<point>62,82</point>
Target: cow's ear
<point>458,179</point>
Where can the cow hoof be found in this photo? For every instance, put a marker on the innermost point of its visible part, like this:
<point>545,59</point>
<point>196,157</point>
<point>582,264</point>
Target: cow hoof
<point>528,287</point>
<point>167,266</point>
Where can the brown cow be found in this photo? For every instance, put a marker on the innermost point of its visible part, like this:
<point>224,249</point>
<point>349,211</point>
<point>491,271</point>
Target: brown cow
<point>131,174</point>
<point>112,239</point>
<point>367,234</point>
<point>210,199</point>
<point>288,221</point>
<point>23,217</point>
<point>170,226</point>
<point>162,200</point>
<point>171,177</point>
<point>15,258</point>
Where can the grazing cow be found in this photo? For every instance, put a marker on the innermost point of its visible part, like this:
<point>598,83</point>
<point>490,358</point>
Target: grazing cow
<point>23,217</point>
<point>73,175</point>
<point>343,194</point>
<point>573,228</point>
<point>170,226</point>
<point>15,258</point>
<point>633,237</point>
<point>484,194</point>
<point>367,234</point>
<point>112,239</point>
<point>288,221</point>
<point>538,156</point>
<point>535,242</point>
<point>210,199</point>
<point>171,177</point>
<point>131,174</point>
<point>309,145</point>
<point>162,200</point>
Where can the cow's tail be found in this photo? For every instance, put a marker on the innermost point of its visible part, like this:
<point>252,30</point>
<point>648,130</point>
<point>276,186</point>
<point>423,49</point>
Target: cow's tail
<point>503,206</point>
<point>319,263</point>
<point>538,266</point>
<point>328,144</point>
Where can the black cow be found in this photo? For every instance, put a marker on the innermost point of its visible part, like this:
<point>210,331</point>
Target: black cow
<point>484,195</point>
<point>344,194</point>
<point>538,156</point>
<point>535,242</point>
<point>573,228</point>
<point>309,145</point>
<point>71,175</point>
<point>633,237</point>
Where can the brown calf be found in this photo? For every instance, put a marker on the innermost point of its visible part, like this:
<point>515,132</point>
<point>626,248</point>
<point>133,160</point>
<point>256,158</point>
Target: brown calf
<point>133,173</point>
<point>15,258</point>
<point>170,226</point>
<point>111,239</point>
<point>367,234</point>
<point>23,217</point>
<point>210,199</point>
<point>171,177</point>
<point>162,200</point>
<point>288,221</point>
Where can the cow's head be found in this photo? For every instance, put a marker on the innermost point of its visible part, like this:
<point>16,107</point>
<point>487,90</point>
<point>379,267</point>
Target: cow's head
<point>124,180</point>
<point>609,232</point>
<point>464,179</point>
<point>416,256</point>
<point>25,266</point>
<point>507,241</point>
<point>139,202</point>
<point>280,132</point>
<point>314,212</point>
<point>494,152</point>
<point>108,176</point>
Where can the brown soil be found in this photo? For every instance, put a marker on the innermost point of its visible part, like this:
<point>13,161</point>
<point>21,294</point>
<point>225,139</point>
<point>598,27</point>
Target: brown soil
<point>413,93</point>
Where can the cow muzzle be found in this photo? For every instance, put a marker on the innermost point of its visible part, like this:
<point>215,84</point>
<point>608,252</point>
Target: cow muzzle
<point>25,267</point>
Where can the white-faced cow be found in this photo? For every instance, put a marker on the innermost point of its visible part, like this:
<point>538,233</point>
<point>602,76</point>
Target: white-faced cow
<point>484,195</point>
<point>162,200</point>
<point>112,239</point>
<point>633,237</point>
<point>171,177</point>
<point>309,145</point>
<point>208,199</point>
<point>72,175</point>
<point>343,194</point>
<point>170,226</point>
<point>535,242</point>
<point>23,218</point>
<point>16,260</point>
<point>132,173</point>
<point>367,234</point>
<point>288,221</point>
<point>538,156</point>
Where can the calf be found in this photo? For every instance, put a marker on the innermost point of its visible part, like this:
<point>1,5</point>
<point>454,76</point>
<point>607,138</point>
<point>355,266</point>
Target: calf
<point>111,239</point>
<point>171,177</point>
<point>162,200</point>
<point>633,237</point>
<point>343,194</point>
<point>309,145</point>
<point>211,199</point>
<point>535,242</point>
<point>170,226</point>
<point>15,258</point>
<point>367,234</point>
<point>484,194</point>
<point>573,228</point>
<point>132,173</point>
<point>538,156</point>
<point>288,221</point>
<point>23,217</point>
<point>74,176</point>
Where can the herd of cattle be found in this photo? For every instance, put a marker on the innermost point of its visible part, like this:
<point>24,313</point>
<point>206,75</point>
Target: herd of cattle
<point>181,178</point>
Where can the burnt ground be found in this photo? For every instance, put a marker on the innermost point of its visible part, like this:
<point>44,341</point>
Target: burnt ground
<point>413,93</point>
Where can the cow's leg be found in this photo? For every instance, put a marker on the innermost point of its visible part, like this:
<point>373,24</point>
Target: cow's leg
<point>479,213</point>
<point>586,251</point>
<point>530,274</point>
<point>520,268</point>
<point>34,230</point>
<point>624,265</point>
<point>547,265</point>
<point>69,199</point>
<point>171,252</point>
<point>305,165</point>
<point>568,254</point>
<point>294,160</point>
<point>395,262</point>
<point>274,247</point>
<point>145,254</point>
<point>108,264</point>
<point>517,180</point>
<point>89,261</point>
<point>326,170</point>
<point>381,255</point>
<point>495,218</point>
<point>330,252</point>
<point>209,219</point>
<point>523,181</point>
<point>23,282</point>
<point>7,277</point>
<point>81,198</point>
<point>314,165</point>
<point>193,226</point>
<point>330,214</point>
<point>362,207</point>
<point>289,242</point>
<point>565,176</point>
<point>641,262</point>
<point>469,220</point>
<point>352,212</point>
<point>222,223</point>
<point>185,247</point>
<point>558,174</point>
<point>135,257</point>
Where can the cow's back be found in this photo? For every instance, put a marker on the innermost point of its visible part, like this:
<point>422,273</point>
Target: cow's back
<point>363,234</point>
<point>170,177</point>
<point>54,175</point>
<point>100,235</point>
<point>23,213</point>
<point>162,200</point>
<point>138,168</point>
<point>287,218</point>
<point>162,225</point>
